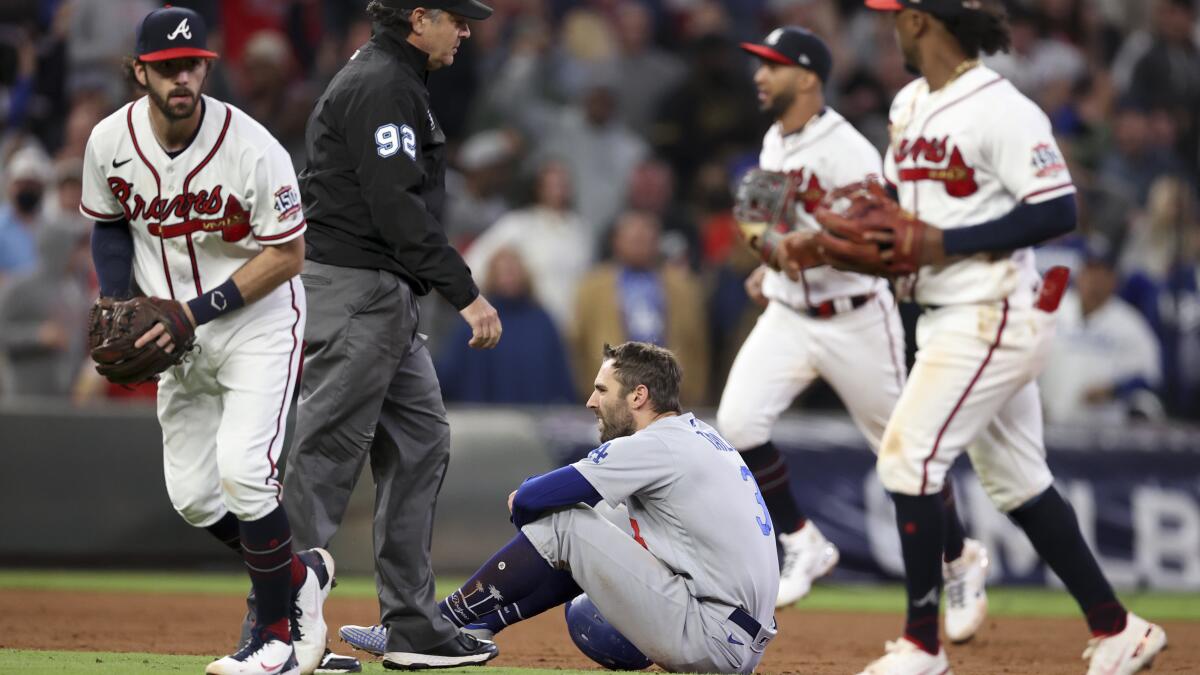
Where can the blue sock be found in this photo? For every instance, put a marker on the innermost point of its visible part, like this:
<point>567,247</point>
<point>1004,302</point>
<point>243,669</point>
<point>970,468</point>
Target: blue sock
<point>512,574</point>
<point>1052,528</point>
<point>954,532</point>
<point>921,524</point>
<point>558,589</point>
<point>267,551</point>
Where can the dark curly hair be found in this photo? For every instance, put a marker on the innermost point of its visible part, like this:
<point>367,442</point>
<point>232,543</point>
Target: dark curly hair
<point>983,31</point>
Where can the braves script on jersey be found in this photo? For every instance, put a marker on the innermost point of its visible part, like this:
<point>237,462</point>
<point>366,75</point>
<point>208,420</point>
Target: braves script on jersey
<point>965,154</point>
<point>693,504</point>
<point>197,217</point>
<point>825,154</point>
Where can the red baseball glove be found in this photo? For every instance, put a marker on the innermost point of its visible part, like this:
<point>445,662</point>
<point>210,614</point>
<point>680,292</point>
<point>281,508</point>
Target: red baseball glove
<point>866,231</point>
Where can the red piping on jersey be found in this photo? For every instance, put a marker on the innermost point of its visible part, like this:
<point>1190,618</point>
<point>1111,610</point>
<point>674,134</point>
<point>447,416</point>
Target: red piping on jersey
<point>1044,191</point>
<point>220,139</point>
<point>961,399</point>
<point>100,216</point>
<point>158,185</point>
<point>195,266</point>
<point>287,390</point>
<point>887,328</point>
<point>276,237</point>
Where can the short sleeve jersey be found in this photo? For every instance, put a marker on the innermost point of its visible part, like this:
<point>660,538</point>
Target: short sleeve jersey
<point>199,216</point>
<point>965,154</point>
<point>825,154</point>
<point>693,504</point>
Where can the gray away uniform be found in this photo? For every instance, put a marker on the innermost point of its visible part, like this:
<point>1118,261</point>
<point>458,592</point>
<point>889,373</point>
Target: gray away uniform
<point>701,558</point>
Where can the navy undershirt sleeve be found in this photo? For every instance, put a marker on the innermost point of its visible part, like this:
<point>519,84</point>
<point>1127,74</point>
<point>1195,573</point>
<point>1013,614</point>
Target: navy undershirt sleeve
<point>1026,225</point>
<point>561,487</point>
<point>112,255</point>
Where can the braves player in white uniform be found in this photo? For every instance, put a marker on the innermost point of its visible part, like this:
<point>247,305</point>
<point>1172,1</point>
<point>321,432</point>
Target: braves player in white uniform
<point>198,203</point>
<point>977,161</point>
<point>662,526</point>
<point>839,326</point>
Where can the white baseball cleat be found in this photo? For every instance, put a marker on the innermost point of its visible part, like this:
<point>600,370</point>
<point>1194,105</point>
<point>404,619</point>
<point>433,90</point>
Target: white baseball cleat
<point>807,556</point>
<point>261,655</point>
<point>966,598</point>
<point>308,629</point>
<point>905,658</point>
<point>1126,652</point>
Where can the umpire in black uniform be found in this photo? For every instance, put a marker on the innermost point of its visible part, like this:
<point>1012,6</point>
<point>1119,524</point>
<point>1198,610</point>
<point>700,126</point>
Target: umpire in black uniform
<point>373,193</point>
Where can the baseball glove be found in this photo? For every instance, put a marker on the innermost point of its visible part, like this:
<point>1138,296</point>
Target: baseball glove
<point>866,231</point>
<point>115,326</point>
<point>762,209</point>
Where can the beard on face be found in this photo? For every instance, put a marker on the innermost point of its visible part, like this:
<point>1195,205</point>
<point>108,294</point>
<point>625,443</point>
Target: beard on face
<point>779,105</point>
<point>176,111</point>
<point>615,422</point>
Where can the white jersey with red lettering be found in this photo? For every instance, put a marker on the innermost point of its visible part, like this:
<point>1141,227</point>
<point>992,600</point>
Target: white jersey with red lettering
<point>839,326</point>
<point>965,154</point>
<point>196,217</point>
<point>825,154</point>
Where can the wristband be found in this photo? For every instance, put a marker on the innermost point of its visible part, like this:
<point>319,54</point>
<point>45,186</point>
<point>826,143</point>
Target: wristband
<point>220,300</point>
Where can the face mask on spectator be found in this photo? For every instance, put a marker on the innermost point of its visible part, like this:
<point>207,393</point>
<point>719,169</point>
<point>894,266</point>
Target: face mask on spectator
<point>28,200</point>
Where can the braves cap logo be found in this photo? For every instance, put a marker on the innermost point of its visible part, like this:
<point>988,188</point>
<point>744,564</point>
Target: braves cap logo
<point>182,29</point>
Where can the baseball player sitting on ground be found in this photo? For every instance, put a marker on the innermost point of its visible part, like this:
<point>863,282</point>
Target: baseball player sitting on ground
<point>662,525</point>
<point>980,180</point>
<point>837,325</point>
<point>198,204</point>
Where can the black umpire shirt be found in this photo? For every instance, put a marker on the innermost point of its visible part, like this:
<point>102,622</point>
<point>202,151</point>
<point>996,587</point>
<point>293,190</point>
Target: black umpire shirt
<point>374,186</point>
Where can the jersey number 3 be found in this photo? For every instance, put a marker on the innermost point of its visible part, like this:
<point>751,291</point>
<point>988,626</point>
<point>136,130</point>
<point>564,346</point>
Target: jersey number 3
<point>389,139</point>
<point>763,525</point>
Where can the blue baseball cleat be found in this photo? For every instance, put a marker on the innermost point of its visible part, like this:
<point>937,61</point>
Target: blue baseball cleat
<point>370,639</point>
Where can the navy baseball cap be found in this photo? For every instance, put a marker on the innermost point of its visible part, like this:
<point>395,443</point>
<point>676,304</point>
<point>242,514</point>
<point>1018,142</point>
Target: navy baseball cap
<point>172,33</point>
<point>794,46</point>
<point>934,7</point>
<point>470,9</point>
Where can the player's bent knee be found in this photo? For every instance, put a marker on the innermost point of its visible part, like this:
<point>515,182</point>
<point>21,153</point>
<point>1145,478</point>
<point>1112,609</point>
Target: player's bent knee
<point>902,475</point>
<point>599,640</point>
<point>742,428</point>
<point>198,510</point>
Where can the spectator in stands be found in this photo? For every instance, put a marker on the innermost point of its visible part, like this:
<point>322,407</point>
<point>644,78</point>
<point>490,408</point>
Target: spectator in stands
<point>43,316</point>
<point>554,242</point>
<point>648,73</point>
<point>652,189</point>
<point>1036,63</point>
<point>712,113</point>
<point>528,366</point>
<point>600,151</point>
<point>1161,262</point>
<point>68,183</point>
<point>27,175</point>
<point>476,194</point>
<point>1167,76</point>
<point>1104,365</point>
<point>270,93</point>
<point>638,297</point>
<point>1135,160</point>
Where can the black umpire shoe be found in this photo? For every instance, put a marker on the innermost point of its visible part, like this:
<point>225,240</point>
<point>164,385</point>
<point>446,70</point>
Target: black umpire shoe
<point>463,650</point>
<point>336,663</point>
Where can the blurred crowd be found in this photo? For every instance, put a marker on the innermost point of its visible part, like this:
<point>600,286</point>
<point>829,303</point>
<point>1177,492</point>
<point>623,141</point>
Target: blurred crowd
<point>594,146</point>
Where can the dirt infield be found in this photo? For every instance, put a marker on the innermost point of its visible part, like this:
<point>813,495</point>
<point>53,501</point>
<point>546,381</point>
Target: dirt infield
<point>809,642</point>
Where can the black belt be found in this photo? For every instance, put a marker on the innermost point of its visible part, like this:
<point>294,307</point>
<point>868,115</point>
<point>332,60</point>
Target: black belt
<point>838,306</point>
<point>746,622</point>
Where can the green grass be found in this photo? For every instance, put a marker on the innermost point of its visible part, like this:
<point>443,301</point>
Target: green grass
<point>36,663</point>
<point>1006,601</point>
